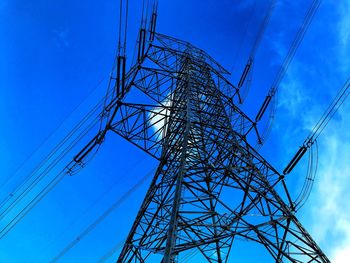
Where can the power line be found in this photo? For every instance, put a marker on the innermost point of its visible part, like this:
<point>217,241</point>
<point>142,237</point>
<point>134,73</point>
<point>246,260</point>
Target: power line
<point>106,213</point>
<point>271,96</point>
<point>46,165</point>
<point>246,76</point>
<point>104,194</point>
<point>262,28</point>
<point>111,252</point>
<point>38,197</point>
<point>46,139</point>
<point>320,126</point>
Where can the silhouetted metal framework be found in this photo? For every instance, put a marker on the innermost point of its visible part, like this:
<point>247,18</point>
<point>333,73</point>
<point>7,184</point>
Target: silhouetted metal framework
<point>211,185</point>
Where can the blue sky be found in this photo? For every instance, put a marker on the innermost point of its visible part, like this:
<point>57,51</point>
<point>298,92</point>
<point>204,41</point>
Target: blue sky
<point>54,54</point>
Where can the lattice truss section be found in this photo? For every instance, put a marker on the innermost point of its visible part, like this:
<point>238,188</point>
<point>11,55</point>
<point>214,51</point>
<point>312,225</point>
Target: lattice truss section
<point>211,186</point>
<point>141,116</point>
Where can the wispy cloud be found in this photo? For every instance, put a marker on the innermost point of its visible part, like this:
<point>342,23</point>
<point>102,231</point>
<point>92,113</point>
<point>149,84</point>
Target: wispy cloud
<point>61,37</point>
<point>328,206</point>
<point>331,208</point>
<point>292,97</point>
<point>344,33</point>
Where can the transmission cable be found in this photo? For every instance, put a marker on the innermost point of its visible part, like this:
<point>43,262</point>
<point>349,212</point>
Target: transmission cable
<point>262,28</point>
<point>46,161</point>
<point>311,140</point>
<point>329,113</point>
<point>283,69</point>
<point>56,179</point>
<point>106,213</point>
<point>30,182</point>
<point>309,179</point>
<point>38,197</point>
<point>46,139</point>
<point>246,77</point>
<point>34,178</point>
<point>338,101</point>
<point>94,203</point>
<point>243,37</point>
<point>111,252</point>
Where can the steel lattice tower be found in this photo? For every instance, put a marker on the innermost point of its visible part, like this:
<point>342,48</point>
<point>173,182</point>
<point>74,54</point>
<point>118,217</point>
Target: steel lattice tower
<point>211,186</point>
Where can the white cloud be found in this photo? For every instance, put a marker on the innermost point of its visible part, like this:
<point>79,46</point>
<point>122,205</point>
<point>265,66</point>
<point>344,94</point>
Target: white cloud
<point>342,253</point>
<point>157,116</point>
<point>292,95</point>
<point>330,207</point>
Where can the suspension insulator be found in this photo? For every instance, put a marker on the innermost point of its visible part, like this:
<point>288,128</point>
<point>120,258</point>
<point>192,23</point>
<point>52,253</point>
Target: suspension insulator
<point>142,43</point>
<point>86,150</point>
<point>295,160</point>
<point>263,108</point>
<point>120,85</point>
<point>245,73</point>
<point>153,26</point>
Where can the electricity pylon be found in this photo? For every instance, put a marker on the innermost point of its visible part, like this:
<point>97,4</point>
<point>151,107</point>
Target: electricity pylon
<point>211,186</point>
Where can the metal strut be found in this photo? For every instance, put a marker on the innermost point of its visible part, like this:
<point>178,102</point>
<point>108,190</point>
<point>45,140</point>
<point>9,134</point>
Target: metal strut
<point>171,235</point>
